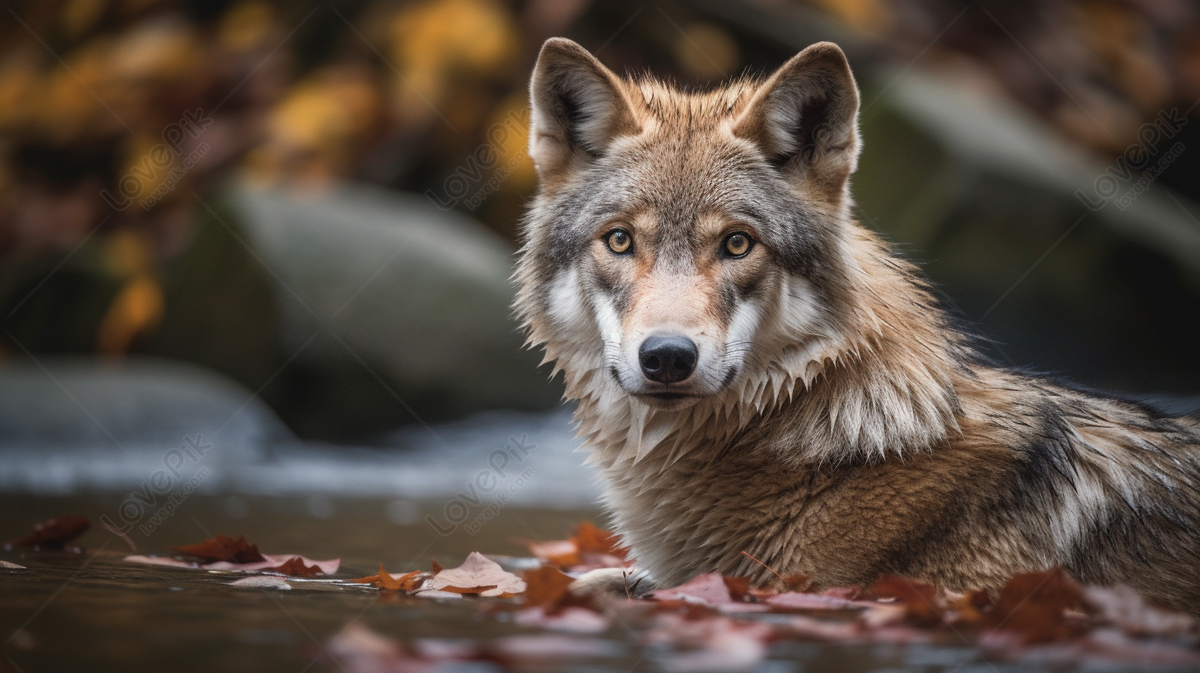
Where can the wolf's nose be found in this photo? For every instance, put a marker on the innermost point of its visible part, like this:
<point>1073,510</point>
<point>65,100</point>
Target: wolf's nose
<point>668,359</point>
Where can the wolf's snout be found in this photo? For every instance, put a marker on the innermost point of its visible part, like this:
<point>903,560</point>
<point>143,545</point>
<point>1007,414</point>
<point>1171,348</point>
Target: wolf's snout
<point>668,359</point>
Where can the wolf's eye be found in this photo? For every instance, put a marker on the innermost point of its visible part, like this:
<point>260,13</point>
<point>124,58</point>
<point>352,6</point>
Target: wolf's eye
<point>619,241</point>
<point>737,244</point>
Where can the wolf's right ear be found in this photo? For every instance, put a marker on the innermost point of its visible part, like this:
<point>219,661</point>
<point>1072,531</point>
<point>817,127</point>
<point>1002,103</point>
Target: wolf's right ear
<point>578,108</point>
<point>804,118</point>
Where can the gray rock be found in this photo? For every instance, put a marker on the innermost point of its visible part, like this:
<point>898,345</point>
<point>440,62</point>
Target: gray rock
<point>396,312</point>
<point>67,423</point>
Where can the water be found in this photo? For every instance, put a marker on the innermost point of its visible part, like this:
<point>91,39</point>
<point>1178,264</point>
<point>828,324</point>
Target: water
<point>94,611</point>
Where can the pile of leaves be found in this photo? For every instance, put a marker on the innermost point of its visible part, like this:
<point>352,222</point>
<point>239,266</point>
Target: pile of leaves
<point>710,622</point>
<point>237,555</point>
<point>716,622</point>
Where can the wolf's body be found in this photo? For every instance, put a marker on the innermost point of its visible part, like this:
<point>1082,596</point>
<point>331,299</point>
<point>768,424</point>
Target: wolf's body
<point>822,413</point>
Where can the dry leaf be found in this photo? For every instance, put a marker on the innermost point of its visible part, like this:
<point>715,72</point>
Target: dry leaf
<point>296,568</point>
<point>53,534</point>
<point>706,589</point>
<point>480,575</point>
<point>546,587</point>
<point>223,548</point>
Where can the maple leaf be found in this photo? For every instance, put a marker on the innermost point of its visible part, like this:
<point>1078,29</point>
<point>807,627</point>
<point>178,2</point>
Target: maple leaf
<point>922,603</point>
<point>54,533</point>
<point>706,589</point>
<point>589,546</point>
<point>296,568</point>
<point>385,580</point>
<point>1036,605</point>
<point>477,575</point>
<point>591,540</point>
<point>546,587</point>
<point>223,548</point>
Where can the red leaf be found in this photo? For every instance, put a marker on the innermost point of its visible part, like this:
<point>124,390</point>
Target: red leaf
<point>708,589</point>
<point>53,534</point>
<point>1035,605</point>
<point>589,546</point>
<point>546,587</point>
<point>591,540</point>
<point>739,587</point>
<point>920,601</point>
<point>296,568</point>
<point>223,548</point>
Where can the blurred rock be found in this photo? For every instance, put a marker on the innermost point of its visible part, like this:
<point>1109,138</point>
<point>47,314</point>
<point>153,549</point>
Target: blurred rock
<point>83,423</point>
<point>395,312</point>
<point>986,198</point>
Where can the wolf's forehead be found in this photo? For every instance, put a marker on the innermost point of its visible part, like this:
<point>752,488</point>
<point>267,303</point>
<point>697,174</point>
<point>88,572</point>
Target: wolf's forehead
<point>673,107</point>
<point>681,176</point>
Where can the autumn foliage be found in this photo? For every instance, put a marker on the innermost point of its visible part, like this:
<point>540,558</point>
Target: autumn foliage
<point>54,533</point>
<point>711,621</point>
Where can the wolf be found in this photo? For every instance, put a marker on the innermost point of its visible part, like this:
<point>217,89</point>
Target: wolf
<point>754,371</point>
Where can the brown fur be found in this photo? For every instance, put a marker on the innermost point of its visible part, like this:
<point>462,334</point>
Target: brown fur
<point>837,425</point>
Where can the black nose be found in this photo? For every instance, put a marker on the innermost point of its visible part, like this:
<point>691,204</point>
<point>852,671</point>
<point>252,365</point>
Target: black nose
<point>668,359</point>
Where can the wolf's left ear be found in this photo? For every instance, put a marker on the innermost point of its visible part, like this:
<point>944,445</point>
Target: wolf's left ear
<point>805,119</point>
<point>578,108</point>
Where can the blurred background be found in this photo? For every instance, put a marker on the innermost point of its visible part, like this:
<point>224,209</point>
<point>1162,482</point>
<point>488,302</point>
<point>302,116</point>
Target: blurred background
<point>287,222</point>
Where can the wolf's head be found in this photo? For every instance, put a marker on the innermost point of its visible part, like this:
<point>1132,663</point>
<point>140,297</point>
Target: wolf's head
<point>684,244</point>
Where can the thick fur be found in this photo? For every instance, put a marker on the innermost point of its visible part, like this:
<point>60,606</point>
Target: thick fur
<point>837,424</point>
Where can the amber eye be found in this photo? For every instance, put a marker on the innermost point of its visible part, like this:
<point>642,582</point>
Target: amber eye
<point>619,241</point>
<point>737,244</point>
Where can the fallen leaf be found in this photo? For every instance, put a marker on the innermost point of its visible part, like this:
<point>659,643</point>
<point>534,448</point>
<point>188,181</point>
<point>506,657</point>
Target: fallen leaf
<point>591,540</point>
<point>10,566</point>
<point>589,547</point>
<point>706,589</point>
<point>546,587</point>
<point>478,574</point>
<point>54,533</point>
<point>739,587</point>
<point>561,553</point>
<point>921,602</point>
<point>223,548</point>
<point>296,568</point>
<point>410,581</point>
<point>1035,605</point>
<point>269,562</point>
